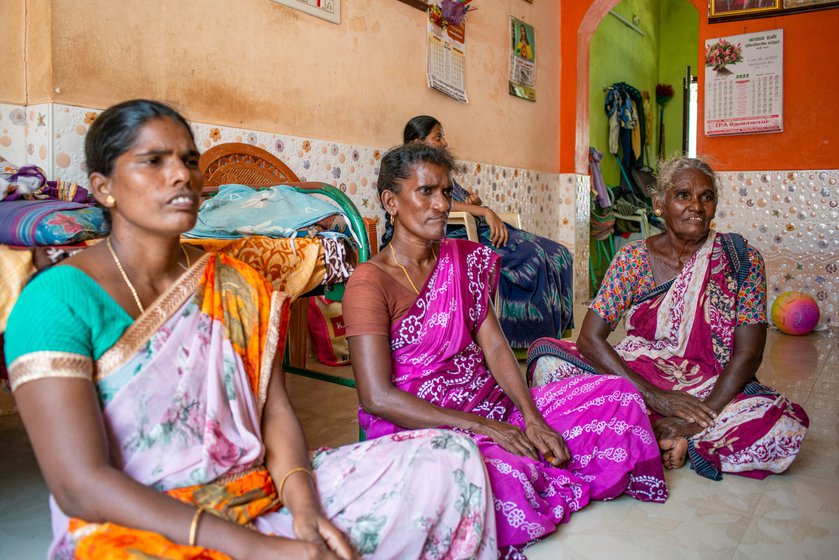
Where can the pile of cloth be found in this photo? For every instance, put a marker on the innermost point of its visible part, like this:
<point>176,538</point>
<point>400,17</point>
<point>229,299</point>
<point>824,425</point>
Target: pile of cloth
<point>35,211</point>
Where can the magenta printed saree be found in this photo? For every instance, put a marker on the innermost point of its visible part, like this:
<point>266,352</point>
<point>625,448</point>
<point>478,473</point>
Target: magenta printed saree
<point>602,418</point>
<point>680,336</point>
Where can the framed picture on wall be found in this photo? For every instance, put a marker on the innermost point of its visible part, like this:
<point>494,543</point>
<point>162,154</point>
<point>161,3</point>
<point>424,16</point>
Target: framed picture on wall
<point>726,10</point>
<point>330,10</point>
<point>522,60</point>
<point>737,8</point>
<point>806,5</point>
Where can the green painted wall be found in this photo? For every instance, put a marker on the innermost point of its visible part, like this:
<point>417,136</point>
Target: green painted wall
<point>619,54</point>
<point>678,48</point>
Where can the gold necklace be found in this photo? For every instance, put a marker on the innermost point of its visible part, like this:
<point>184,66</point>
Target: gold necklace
<point>125,276</point>
<point>408,276</point>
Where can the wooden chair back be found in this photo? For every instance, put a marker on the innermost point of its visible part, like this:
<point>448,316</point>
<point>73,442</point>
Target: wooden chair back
<point>243,164</point>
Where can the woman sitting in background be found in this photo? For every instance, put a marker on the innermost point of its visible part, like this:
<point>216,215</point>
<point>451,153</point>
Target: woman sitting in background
<point>180,440</point>
<point>427,351</point>
<point>695,308</point>
<point>536,284</point>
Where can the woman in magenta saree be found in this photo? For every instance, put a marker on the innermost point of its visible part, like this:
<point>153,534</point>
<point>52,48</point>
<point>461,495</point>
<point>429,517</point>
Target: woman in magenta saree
<point>428,356</point>
<point>693,340</point>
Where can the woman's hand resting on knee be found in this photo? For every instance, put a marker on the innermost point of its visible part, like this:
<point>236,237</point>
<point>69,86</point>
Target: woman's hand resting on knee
<point>314,527</point>
<point>549,443</point>
<point>681,405</point>
<point>507,436</point>
<point>535,439</point>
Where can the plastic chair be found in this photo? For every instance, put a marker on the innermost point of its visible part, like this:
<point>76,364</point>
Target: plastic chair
<point>468,221</point>
<point>639,216</point>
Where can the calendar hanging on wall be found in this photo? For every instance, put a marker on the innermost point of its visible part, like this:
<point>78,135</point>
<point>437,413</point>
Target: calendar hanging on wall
<point>446,52</point>
<point>330,10</point>
<point>744,83</point>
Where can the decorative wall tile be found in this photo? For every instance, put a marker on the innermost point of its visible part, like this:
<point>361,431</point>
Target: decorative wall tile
<point>792,218</point>
<point>38,132</point>
<point>12,132</point>
<point>70,126</point>
<point>581,185</point>
<point>544,207</point>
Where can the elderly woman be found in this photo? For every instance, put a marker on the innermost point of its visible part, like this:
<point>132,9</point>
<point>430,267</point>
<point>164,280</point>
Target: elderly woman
<point>536,282</point>
<point>149,382</point>
<point>428,352</point>
<point>695,308</point>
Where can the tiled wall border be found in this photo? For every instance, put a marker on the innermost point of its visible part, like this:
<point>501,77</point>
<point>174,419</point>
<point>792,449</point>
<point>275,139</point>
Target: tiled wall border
<point>580,185</point>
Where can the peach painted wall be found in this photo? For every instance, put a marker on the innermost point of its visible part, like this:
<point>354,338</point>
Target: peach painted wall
<point>40,55</point>
<point>811,130</point>
<point>12,88</point>
<point>264,66</point>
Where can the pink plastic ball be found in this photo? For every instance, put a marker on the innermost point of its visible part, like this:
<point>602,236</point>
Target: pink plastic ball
<point>795,313</point>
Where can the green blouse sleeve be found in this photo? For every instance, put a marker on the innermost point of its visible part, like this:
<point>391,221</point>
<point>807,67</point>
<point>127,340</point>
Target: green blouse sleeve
<point>60,324</point>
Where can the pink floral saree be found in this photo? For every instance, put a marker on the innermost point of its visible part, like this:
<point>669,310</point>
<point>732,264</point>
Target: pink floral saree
<point>680,336</point>
<point>602,418</point>
<point>182,393</point>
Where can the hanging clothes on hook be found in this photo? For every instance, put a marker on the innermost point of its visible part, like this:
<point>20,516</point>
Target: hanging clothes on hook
<point>625,108</point>
<point>627,130</point>
<point>598,186</point>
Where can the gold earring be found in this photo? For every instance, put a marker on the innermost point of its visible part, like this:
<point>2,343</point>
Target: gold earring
<point>657,212</point>
<point>110,201</point>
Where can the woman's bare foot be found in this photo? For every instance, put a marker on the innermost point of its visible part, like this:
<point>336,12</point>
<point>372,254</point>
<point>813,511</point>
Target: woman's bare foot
<point>673,452</point>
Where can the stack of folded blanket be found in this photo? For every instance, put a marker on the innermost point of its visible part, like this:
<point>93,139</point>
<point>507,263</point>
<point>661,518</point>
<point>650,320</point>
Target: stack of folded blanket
<point>279,211</point>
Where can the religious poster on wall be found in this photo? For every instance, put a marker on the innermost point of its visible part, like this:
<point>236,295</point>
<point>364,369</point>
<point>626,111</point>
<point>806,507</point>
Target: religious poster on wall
<point>522,60</point>
<point>446,46</point>
<point>330,10</point>
<point>744,83</point>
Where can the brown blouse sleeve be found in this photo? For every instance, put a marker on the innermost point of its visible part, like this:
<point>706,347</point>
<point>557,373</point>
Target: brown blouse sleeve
<point>373,300</point>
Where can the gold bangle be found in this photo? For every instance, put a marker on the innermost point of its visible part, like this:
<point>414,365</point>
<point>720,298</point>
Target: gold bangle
<point>193,528</point>
<point>288,474</point>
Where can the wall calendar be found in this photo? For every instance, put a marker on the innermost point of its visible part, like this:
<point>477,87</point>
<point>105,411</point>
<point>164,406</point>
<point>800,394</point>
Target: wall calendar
<point>744,83</point>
